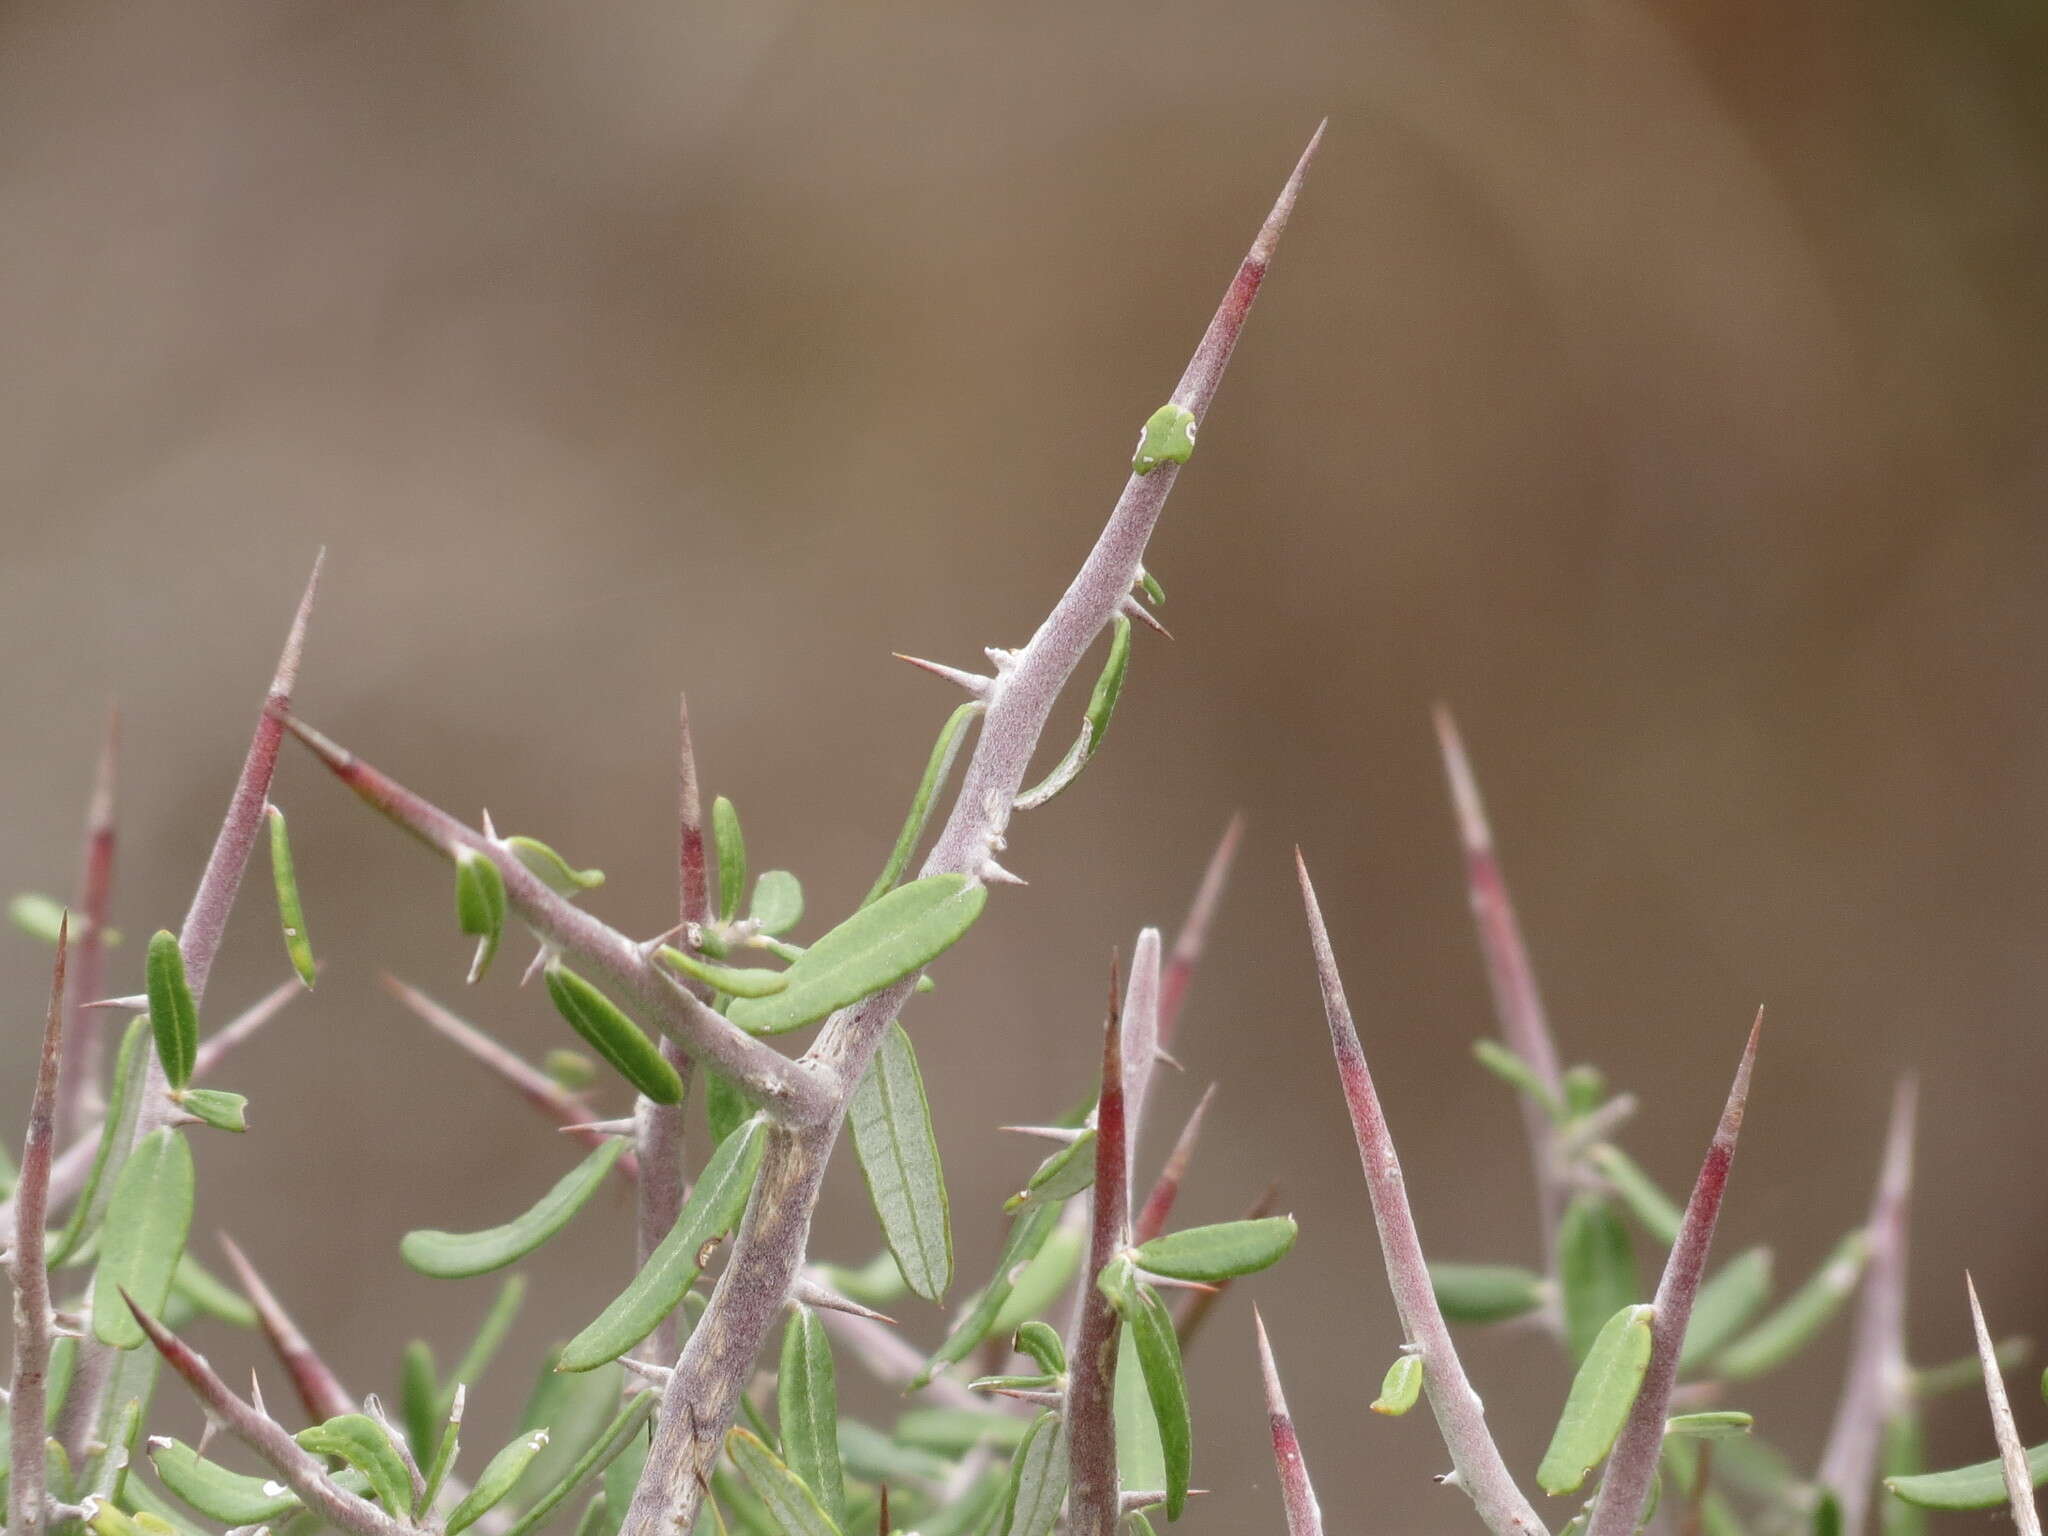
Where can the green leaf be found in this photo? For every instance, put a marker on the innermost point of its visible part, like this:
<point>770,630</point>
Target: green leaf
<point>796,1511</point>
<point>1827,1514</point>
<point>1400,1387</point>
<point>173,1016</point>
<point>1720,1424</point>
<point>955,1431</point>
<point>1154,593</point>
<point>898,935</point>
<point>156,1514</point>
<point>1159,1357</point>
<point>213,1490</point>
<point>38,916</point>
<point>1094,725</point>
<point>208,1294</point>
<point>447,1445</point>
<point>147,1223</point>
<point>1140,1454</point>
<point>1168,437</point>
<point>1724,1304</point>
<point>732,857</point>
<point>419,1399</point>
<point>222,1110</point>
<point>1220,1252</point>
<point>1602,1393</point>
<point>778,901</point>
<point>489,1338</point>
<point>714,1205</point>
<point>1585,1090</point>
<point>1485,1293</point>
<point>1651,1208</point>
<point>1804,1313</point>
<point>612,1035</point>
<point>876,1283</point>
<point>454,1255</point>
<point>1060,1177</point>
<point>622,1477</point>
<point>569,1069</point>
<point>807,1411</point>
<point>362,1442</point>
<point>1042,1343</point>
<point>1904,1455</point>
<point>501,1473</point>
<point>1517,1074</point>
<point>1027,1236</point>
<point>724,978</point>
<point>1980,1485</point>
<point>551,869</point>
<point>899,1157</point>
<point>123,1106</point>
<point>936,768</point>
<point>726,1109</point>
<point>1596,1269</point>
<point>291,912</point>
<point>1038,1479</point>
<point>479,906</point>
<point>1043,1279</point>
<point>592,1429</point>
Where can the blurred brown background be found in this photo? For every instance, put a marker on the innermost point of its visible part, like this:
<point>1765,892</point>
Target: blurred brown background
<point>1662,385</point>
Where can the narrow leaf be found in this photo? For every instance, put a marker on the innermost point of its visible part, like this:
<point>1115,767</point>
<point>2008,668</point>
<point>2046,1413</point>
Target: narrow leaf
<point>453,1255</point>
<point>364,1444</point>
<point>1038,1479</point>
<point>1159,1357</point>
<point>1485,1293</point>
<point>796,1511</point>
<point>1401,1386</point>
<point>1981,1485</point>
<point>173,1015</point>
<point>778,904</point>
<point>725,978</point>
<point>291,912</point>
<point>147,1222</point>
<point>1720,1424</point>
<point>726,1109</point>
<point>123,1106</point>
<point>1651,1207</point>
<point>1028,1234</point>
<point>1094,726</point>
<point>1725,1304</point>
<point>1602,1393</point>
<point>210,1295</point>
<point>479,906</point>
<point>489,1337</point>
<point>419,1399</point>
<point>899,1156</point>
<point>1596,1270</point>
<point>936,768</point>
<point>213,1490</point>
<point>220,1109</point>
<point>556,872</point>
<point>500,1475</point>
<point>612,1035</point>
<point>1795,1324</point>
<point>732,857</point>
<point>1518,1074</point>
<point>807,1411</point>
<point>1042,1344</point>
<point>899,934</point>
<point>604,1448</point>
<point>1219,1252</point>
<point>1060,1177</point>
<point>1043,1280</point>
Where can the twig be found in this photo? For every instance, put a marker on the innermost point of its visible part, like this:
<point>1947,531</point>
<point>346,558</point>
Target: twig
<point>1618,1507</point>
<point>300,1470</point>
<point>78,1099</point>
<point>1092,1507</point>
<point>1304,1515</point>
<point>2012,1451</point>
<point>318,1387</point>
<point>1878,1384</point>
<point>1460,1416</point>
<point>1152,1217</point>
<point>28,1387</point>
<point>1193,937</point>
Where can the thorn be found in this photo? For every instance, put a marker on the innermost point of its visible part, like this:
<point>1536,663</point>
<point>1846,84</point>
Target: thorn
<point>812,1294</point>
<point>1166,1058</point>
<point>973,682</point>
<point>625,1127</point>
<point>287,675</point>
<point>1130,607</point>
<point>1065,1135</point>
<point>135,1002</point>
<point>993,873</point>
<point>647,1369</point>
<point>536,965</point>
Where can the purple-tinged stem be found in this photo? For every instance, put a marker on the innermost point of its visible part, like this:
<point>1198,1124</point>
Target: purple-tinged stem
<point>1460,1416</point>
<point>1878,1385</point>
<point>1158,1207</point>
<point>1618,1507</point>
<point>536,1087</point>
<point>2012,1451</point>
<point>300,1470</point>
<point>78,1101</point>
<point>1517,1004</point>
<point>28,1388</point>
<point>1304,1515</point>
<point>694,892</point>
<point>1196,1309</point>
<point>318,1387</point>
<point>701,1397</point>
<point>613,962</point>
<point>1092,1506</point>
<point>1193,937</point>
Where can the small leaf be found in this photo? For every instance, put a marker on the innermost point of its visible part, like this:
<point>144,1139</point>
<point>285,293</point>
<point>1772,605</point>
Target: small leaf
<point>213,1490</point>
<point>362,1442</point>
<point>1028,1234</point>
<point>1585,1090</point>
<point>778,901</point>
<point>796,1510</point>
<point>726,1109</point>
<point>600,1451</point>
<point>1109,686</point>
<point>419,1399</point>
<point>222,1110</point>
<point>147,1223</point>
<point>1159,1357</point>
<point>899,1157</point>
<point>551,869</point>
<point>1042,1343</point>
<point>1485,1293</point>
<point>1602,1393</point>
<point>1724,1304</point>
<point>489,1338</point>
<point>123,1106</point>
<point>936,768</point>
<point>454,1255</point>
<point>1038,1479</point>
<point>724,978</point>
<point>1168,437</point>
<point>1650,1206</point>
<point>1904,1455</point>
<point>479,906</point>
<point>1400,1387</point>
<point>1042,1281</point>
<point>1827,1514</point>
<point>714,1205</point>
<point>954,1431</point>
<point>209,1295</point>
<point>569,1069</point>
<point>1154,593</point>
<point>1219,1252</point>
<point>500,1474</point>
<point>39,916</point>
<point>1980,1485</point>
<point>1596,1269</point>
<point>1517,1074</point>
<point>807,1411</point>
<point>1060,1177</point>
<point>612,1035</point>
<point>1803,1314</point>
<point>898,935</point>
<point>732,858</point>
<point>1720,1424</point>
<point>291,912</point>
<point>173,1016</point>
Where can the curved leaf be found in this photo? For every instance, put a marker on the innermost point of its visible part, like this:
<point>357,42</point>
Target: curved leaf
<point>1981,1485</point>
<point>218,1108</point>
<point>1094,726</point>
<point>612,1035</point>
<point>1602,1393</point>
<point>1060,1177</point>
<point>147,1222</point>
<point>479,906</point>
<point>725,978</point>
<point>551,869</point>
<point>1804,1313</point>
<point>213,1490</point>
<point>453,1255</point>
<point>363,1443</point>
<point>1220,1252</point>
<point>291,912</point>
<point>936,768</point>
<point>500,1473</point>
<point>778,904</point>
<point>1400,1387</point>
<point>899,1156</point>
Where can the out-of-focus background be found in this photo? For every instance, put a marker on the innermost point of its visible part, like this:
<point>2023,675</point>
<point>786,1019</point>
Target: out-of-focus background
<point>1660,385</point>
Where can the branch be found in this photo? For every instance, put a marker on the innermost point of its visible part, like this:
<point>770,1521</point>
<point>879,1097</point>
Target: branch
<point>2012,1451</point>
<point>78,1099</point>
<point>318,1387</point>
<point>1618,1507</point>
<point>1158,1207</point>
<point>786,1089</point>
<point>28,1387</point>
<point>1460,1416</point>
<point>1193,937</point>
<point>1092,1504</point>
<point>301,1471</point>
<point>1304,1515</point>
<point>1878,1385</point>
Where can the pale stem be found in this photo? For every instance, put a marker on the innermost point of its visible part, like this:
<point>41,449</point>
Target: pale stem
<point>28,1386</point>
<point>2012,1451</point>
<point>1304,1514</point>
